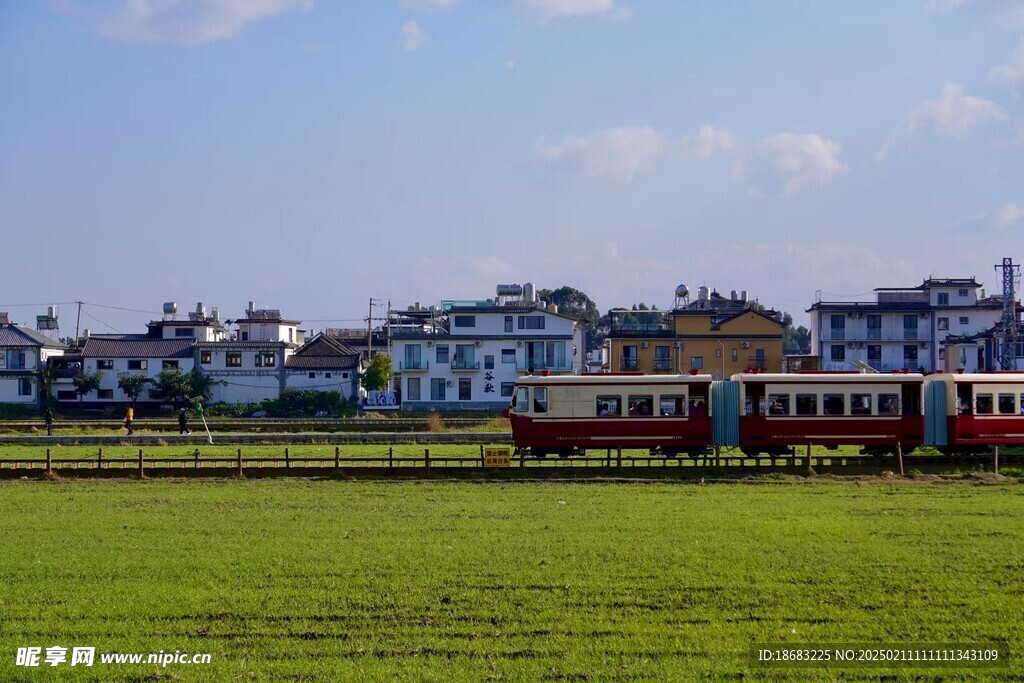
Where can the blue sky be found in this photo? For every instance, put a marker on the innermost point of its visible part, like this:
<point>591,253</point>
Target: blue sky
<point>309,154</point>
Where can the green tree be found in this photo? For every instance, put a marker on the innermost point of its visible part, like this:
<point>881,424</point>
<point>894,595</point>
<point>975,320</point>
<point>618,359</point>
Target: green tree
<point>170,387</point>
<point>794,340</point>
<point>86,381</point>
<point>576,304</point>
<point>378,375</point>
<point>199,384</point>
<point>44,379</point>
<point>132,385</point>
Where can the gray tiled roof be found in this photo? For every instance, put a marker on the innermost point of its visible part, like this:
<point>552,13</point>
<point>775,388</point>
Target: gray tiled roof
<point>18,335</point>
<point>135,346</point>
<point>323,352</point>
<point>322,362</point>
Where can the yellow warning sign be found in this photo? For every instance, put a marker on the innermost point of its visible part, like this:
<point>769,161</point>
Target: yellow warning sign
<point>497,457</point>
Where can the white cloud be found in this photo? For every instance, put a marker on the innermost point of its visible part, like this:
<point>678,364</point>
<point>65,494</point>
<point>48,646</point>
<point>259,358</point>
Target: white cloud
<point>510,64</point>
<point>614,152</point>
<point>1008,216</point>
<point>413,37</point>
<point>953,113</point>
<point>546,10</point>
<point>709,141</point>
<point>786,162</point>
<point>1014,70</point>
<point>427,4</point>
<point>180,21</point>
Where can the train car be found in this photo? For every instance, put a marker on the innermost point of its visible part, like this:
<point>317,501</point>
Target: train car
<point>778,411</point>
<point>970,413</point>
<point>668,414</point>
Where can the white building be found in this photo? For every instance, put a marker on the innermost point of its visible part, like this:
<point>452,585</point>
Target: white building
<point>23,353</point>
<point>466,355</point>
<point>324,363</point>
<point>904,328</point>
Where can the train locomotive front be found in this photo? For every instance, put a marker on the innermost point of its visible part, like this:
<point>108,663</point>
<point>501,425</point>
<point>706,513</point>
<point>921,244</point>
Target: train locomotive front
<point>667,414</point>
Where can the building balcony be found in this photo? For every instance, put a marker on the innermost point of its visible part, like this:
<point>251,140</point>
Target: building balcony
<point>629,364</point>
<point>465,365</point>
<point>838,333</point>
<point>663,365</point>
<point>413,366</point>
<point>875,333</point>
<point>757,363</point>
<point>542,366</point>
<point>910,334</point>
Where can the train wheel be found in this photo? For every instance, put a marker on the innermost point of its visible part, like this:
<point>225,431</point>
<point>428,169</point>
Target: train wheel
<point>564,453</point>
<point>670,453</point>
<point>540,455</point>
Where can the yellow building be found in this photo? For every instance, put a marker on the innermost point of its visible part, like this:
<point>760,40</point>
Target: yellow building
<point>714,335</point>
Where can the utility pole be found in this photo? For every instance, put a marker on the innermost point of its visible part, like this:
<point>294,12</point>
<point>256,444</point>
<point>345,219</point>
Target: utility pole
<point>369,329</point>
<point>78,323</point>
<point>1008,323</point>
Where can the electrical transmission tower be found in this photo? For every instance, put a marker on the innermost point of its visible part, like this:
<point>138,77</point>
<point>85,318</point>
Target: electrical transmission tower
<point>1008,323</point>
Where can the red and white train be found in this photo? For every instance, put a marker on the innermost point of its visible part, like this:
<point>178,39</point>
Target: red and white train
<point>767,413</point>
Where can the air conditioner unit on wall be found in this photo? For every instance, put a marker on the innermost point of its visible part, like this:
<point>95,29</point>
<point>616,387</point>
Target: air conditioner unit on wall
<point>744,345</point>
<point>643,345</point>
<point>677,344</point>
<point>429,344</point>
<point>448,383</point>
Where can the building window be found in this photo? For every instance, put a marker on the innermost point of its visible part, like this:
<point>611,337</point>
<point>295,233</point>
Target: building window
<point>465,389</point>
<point>233,359</point>
<point>838,352</point>
<point>170,365</point>
<point>943,299</point>
<point>442,353</point>
<point>104,364</point>
<point>910,353</point>
<point>464,321</point>
<point>205,357</point>
<point>488,362</point>
<point>105,394</point>
<point>735,355</point>
<point>629,357</point>
<point>312,375</point>
<point>508,356</point>
<point>662,358</point>
<point>266,360</point>
<point>15,359</point>
<point>507,388</point>
<point>465,357</point>
<point>718,353</point>
<point>965,320</point>
<point>696,362</point>
<point>943,323</point>
<point>344,375</point>
<point>245,336</point>
<point>413,389</point>
<point>531,322</point>
<point>964,293</point>
<point>24,386</point>
<point>875,352</point>
<point>508,323</point>
<point>138,365</point>
<point>437,389</point>
<point>327,375</point>
<point>66,395</point>
<point>185,332</point>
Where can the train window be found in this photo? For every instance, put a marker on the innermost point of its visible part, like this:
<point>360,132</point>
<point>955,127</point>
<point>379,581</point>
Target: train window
<point>1006,404</point>
<point>806,404</point>
<point>834,404</point>
<point>983,404</point>
<point>1022,404</point>
<point>540,400</point>
<point>778,404</point>
<point>521,401</point>
<point>888,404</point>
<point>672,405</point>
<point>641,406</point>
<point>860,404</point>
<point>608,406</point>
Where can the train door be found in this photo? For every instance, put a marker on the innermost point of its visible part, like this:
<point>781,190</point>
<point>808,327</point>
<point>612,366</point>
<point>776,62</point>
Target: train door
<point>911,399</point>
<point>754,403</point>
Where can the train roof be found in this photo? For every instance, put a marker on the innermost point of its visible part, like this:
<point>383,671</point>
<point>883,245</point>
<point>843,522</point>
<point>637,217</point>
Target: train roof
<point>829,377</point>
<point>978,377</point>
<point>605,378</point>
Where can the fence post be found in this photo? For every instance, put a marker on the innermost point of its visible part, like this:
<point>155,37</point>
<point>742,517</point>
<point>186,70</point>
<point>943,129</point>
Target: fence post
<point>608,458</point>
<point>618,457</point>
<point>337,457</point>
<point>239,462</point>
<point>995,458</point>
<point>810,470</point>
<point>718,455</point>
<point>140,464</point>
<point>287,459</point>
<point>899,454</point>
<point>391,457</point>
<point>49,469</point>
<point>426,456</point>
<point>195,456</point>
<point>99,460</point>
<point>481,455</point>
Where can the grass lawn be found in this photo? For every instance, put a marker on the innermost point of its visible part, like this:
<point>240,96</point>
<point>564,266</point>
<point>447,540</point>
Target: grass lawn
<point>305,580</point>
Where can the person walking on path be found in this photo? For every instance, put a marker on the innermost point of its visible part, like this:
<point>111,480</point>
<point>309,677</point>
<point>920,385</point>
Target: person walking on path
<point>183,423</point>
<point>129,418</point>
<point>48,420</point>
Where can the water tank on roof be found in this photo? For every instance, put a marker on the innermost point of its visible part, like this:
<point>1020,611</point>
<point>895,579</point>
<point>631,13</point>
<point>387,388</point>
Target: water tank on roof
<point>509,290</point>
<point>682,291</point>
<point>552,308</point>
<point>702,293</point>
<point>51,311</point>
<point>529,293</point>
<point>170,308</point>
<point>200,310</point>
<point>215,314</point>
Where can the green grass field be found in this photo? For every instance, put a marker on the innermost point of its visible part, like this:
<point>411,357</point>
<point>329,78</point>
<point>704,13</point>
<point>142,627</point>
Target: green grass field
<point>326,580</point>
